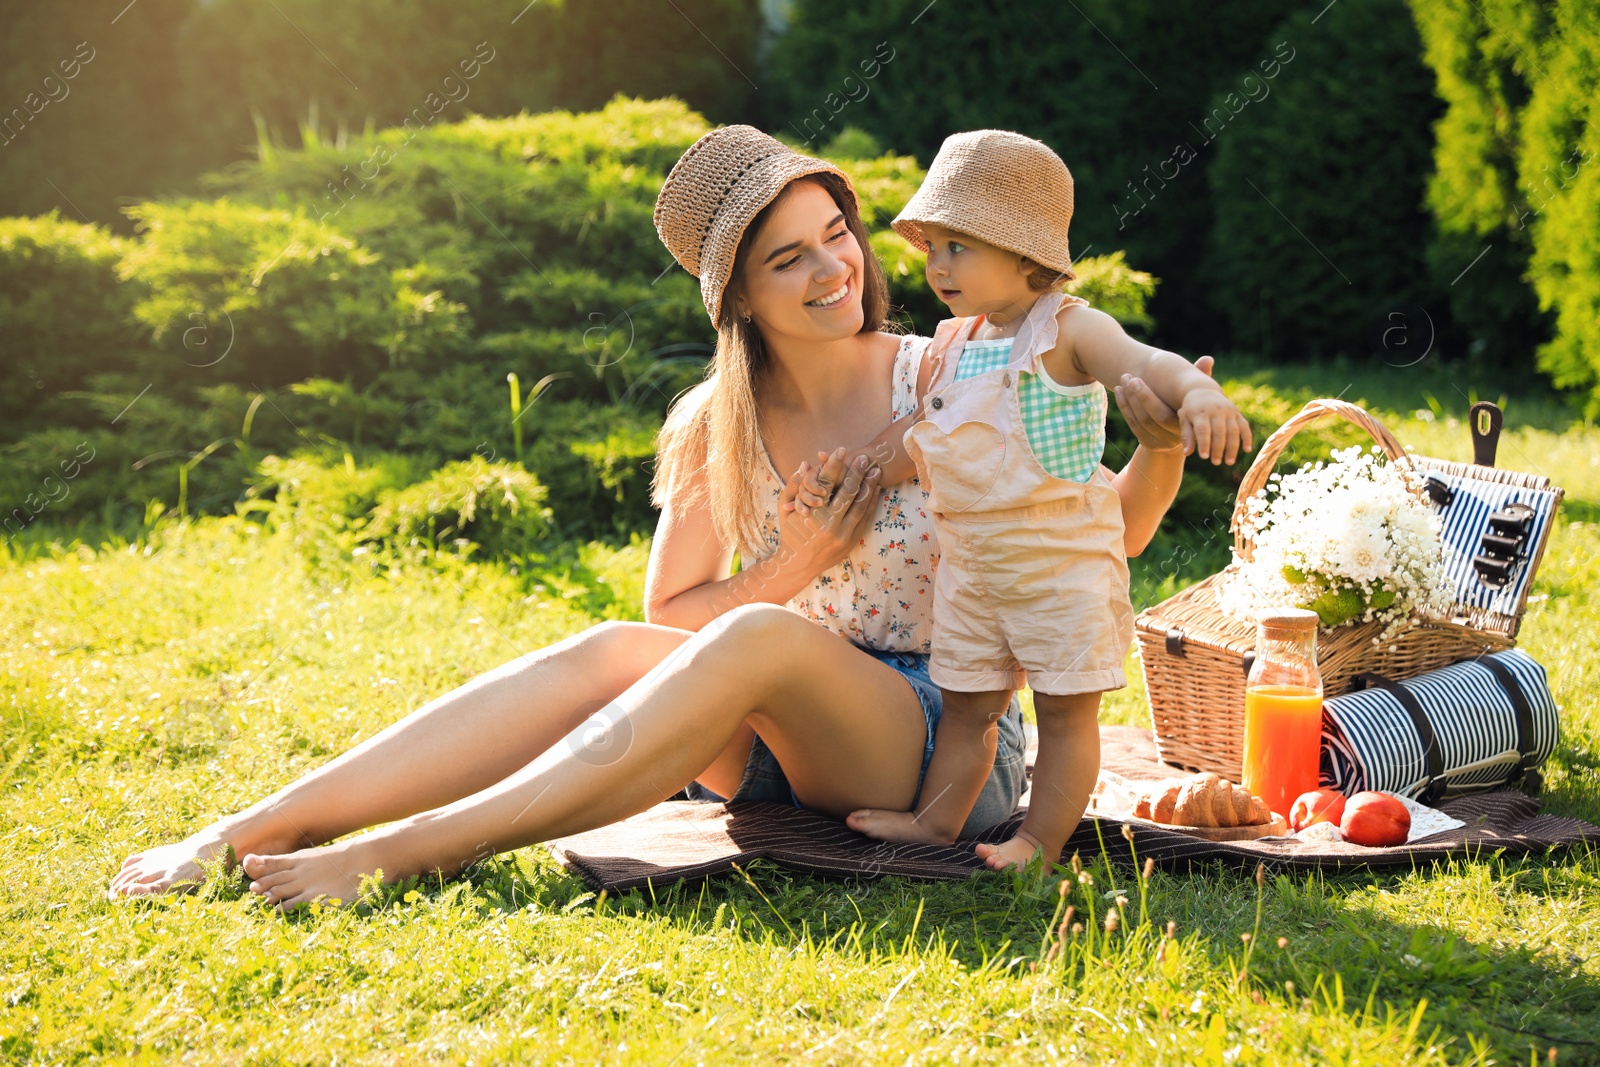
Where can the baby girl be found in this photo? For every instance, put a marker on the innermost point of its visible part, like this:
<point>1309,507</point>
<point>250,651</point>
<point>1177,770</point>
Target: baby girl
<point>1008,442</point>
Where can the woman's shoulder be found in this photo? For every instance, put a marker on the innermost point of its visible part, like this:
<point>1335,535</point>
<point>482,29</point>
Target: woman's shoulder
<point>902,345</point>
<point>909,350</point>
<point>894,337</point>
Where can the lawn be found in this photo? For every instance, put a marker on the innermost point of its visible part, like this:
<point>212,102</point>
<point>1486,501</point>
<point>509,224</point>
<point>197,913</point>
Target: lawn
<point>152,681</point>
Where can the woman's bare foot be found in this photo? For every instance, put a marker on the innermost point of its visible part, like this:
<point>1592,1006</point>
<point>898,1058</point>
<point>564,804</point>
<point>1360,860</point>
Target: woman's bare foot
<point>1013,853</point>
<point>331,872</point>
<point>175,868</point>
<point>894,826</point>
<point>170,868</point>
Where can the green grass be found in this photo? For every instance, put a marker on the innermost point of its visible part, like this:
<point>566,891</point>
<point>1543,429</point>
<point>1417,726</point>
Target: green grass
<point>147,687</point>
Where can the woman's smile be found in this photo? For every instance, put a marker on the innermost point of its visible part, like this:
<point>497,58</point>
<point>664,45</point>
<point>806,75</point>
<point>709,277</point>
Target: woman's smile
<point>834,299</point>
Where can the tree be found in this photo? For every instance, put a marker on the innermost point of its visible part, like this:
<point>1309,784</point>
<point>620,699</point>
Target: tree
<point>1320,230</point>
<point>1111,85</point>
<point>1479,251</point>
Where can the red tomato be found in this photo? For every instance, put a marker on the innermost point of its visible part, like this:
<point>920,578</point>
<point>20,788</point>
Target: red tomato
<point>1376,820</point>
<point>1319,805</point>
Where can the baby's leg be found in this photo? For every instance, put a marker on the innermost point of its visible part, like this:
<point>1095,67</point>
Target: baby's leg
<point>1063,778</point>
<point>963,755</point>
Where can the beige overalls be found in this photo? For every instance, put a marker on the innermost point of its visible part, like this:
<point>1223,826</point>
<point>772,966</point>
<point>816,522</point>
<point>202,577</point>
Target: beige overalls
<point>1032,583</point>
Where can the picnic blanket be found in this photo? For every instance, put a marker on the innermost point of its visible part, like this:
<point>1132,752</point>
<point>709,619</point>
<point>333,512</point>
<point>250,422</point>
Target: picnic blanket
<point>688,839</point>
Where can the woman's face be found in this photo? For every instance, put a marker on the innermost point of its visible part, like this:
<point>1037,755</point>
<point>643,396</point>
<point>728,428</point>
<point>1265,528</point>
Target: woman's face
<point>801,276</point>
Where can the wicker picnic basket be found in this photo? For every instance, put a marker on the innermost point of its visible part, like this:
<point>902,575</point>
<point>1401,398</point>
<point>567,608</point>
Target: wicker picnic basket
<point>1195,658</point>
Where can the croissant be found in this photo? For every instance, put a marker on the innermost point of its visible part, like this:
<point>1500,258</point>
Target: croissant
<point>1202,800</point>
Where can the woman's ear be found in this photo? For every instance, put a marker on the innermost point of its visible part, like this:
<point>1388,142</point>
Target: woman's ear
<point>1026,266</point>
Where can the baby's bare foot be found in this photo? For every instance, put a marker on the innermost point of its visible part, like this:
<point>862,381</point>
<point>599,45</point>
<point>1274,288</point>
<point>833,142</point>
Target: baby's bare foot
<point>894,826</point>
<point>1016,852</point>
<point>171,868</point>
<point>332,873</point>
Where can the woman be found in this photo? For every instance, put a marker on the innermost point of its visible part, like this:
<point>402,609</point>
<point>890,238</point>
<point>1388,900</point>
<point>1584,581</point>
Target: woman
<point>722,686</point>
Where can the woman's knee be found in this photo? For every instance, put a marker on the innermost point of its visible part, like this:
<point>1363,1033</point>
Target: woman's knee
<point>626,648</point>
<point>758,640</point>
<point>759,626</point>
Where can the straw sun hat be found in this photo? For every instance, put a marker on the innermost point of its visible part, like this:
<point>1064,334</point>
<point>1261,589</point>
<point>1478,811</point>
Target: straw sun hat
<point>1003,188</point>
<point>713,192</point>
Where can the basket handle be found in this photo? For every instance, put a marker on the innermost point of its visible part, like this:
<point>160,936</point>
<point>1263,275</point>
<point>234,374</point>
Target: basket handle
<point>1255,479</point>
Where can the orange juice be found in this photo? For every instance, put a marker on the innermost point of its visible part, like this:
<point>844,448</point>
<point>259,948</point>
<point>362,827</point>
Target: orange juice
<point>1282,742</point>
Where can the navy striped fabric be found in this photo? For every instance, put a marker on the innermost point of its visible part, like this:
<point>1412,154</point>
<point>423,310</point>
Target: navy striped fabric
<point>1369,741</point>
<point>1466,520</point>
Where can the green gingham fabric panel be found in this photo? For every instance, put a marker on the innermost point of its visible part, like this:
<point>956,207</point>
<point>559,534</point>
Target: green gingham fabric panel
<point>1067,433</point>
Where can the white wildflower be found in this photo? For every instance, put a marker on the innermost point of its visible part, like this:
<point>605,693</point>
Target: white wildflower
<point>1352,539</point>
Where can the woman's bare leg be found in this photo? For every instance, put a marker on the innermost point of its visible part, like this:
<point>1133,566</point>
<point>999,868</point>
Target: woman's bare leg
<point>452,747</point>
<point>963,756</point>
<point>724,773</point>
<point>848,730</point>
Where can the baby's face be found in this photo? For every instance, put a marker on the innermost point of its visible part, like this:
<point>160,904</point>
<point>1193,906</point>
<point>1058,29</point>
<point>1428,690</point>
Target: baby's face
<point>973,277</point>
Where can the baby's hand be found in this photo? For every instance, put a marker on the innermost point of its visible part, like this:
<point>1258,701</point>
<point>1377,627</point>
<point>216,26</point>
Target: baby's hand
<point>818,483</point>
<point>1212,426</point>
<point>1150,418</point>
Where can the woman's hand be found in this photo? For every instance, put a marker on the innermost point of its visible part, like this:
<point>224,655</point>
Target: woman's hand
<point>819,537</point>
<point>1148,484</point>
<point>1151,419</point>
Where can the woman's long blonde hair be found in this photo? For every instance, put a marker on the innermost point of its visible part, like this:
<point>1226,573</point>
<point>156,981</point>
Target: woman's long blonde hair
<point>710,449</point>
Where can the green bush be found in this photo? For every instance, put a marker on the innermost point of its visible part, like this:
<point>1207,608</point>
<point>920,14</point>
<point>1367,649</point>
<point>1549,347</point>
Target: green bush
<point>495,507</point>
<point>199,454</point>
<point>64,315</point>
<point>1481,76</point>
<point>1559,176</point>
<point>603,580</point>
<point>1317,188</point>
<point>521,245</point>
<point>1515,183</point>
<point>219,80</point>
<point>386,317</point>
<point>267,297</point>
<point>539,227</point>
<point>1109,284</point>
<point>596,462</point>
<point>909,73</point>
<point>323,501</point>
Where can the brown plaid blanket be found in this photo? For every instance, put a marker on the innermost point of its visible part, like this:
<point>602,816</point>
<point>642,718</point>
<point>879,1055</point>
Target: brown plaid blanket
<point>686,839</point>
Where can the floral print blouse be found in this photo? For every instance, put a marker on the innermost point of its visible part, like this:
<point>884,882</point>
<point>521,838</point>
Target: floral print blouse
<point>881,594</point>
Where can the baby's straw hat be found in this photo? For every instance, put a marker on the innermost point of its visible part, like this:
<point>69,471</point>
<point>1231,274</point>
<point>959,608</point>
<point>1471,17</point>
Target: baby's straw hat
<point>1000,187</point>
<point>715,189</point>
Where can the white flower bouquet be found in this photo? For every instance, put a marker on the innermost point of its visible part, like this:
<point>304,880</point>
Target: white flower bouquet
<point>1352,539</point>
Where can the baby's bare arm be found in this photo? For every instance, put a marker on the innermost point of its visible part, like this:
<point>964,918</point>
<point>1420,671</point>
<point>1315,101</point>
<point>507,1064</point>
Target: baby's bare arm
<point>1099,347</point>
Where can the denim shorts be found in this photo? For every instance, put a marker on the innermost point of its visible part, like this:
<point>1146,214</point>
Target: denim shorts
<point>764,779</point>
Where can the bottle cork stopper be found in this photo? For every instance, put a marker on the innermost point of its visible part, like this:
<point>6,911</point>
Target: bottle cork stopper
<point>1289,619</point>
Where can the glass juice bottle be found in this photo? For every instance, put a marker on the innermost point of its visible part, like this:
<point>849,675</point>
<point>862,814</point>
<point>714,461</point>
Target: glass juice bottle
<point>1283,709</point>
